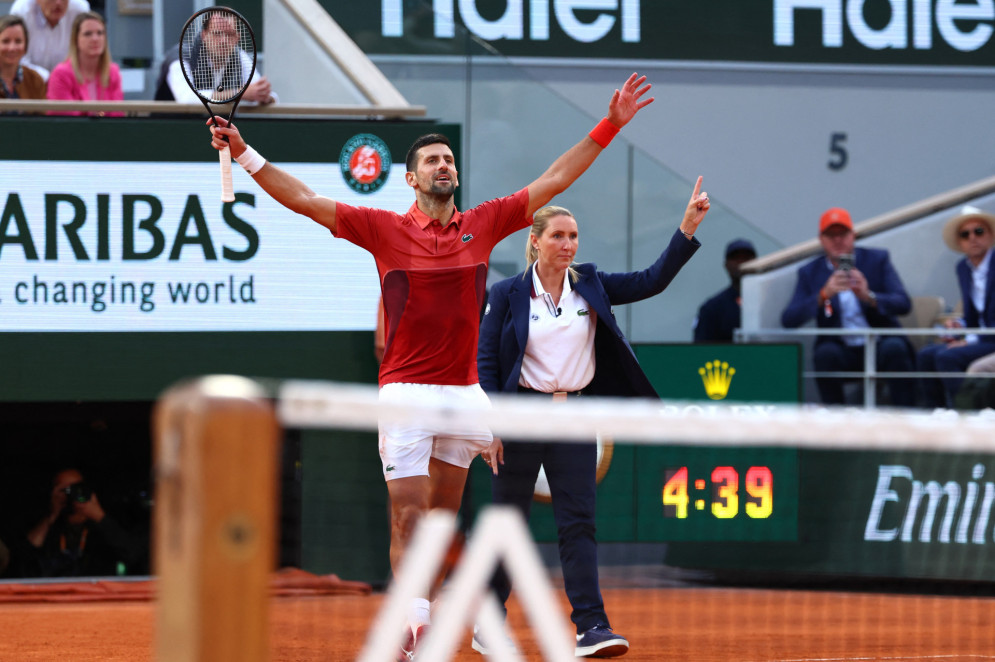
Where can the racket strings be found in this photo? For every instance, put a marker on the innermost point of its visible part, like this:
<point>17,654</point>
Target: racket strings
<point>217,54</point>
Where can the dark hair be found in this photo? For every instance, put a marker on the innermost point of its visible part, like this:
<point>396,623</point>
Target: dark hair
<point>411,160</point>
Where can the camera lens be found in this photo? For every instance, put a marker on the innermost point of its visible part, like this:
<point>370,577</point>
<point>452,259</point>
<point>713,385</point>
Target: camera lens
<point>78,493</point>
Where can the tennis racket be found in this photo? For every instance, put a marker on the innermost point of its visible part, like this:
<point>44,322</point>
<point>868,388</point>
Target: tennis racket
<point>218,58</point>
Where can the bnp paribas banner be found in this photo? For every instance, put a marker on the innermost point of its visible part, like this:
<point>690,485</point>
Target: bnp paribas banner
<point>88,244</point>
<point>873,32</point>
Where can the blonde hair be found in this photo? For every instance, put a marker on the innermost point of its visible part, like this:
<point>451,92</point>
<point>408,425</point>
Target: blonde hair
<point>104,65</point>
<point>540,221</point>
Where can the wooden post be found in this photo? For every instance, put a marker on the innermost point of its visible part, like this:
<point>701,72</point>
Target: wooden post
<point>216,472</point>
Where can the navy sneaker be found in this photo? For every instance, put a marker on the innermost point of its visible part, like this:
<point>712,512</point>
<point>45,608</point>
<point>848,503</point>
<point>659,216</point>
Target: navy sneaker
<point>600,641</point>
<point>478,643</point>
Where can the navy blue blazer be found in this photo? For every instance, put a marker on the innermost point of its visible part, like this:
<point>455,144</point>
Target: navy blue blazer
<point>504,330</point>
<point>972,316</point>
<point>882,279</point>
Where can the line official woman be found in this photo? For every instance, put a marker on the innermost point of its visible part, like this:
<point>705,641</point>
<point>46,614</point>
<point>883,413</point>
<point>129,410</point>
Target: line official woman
<point>550,331</point>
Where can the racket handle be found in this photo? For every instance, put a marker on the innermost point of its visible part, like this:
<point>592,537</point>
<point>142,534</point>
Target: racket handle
<point>227,190</point>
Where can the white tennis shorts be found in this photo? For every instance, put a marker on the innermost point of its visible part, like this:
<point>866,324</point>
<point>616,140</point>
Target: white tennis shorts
<point>405,448</point>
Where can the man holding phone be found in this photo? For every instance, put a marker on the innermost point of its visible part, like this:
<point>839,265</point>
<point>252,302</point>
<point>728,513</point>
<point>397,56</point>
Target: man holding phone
<point>852,288</point>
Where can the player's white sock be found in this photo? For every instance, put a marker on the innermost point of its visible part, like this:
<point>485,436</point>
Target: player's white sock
<point>418,613</point>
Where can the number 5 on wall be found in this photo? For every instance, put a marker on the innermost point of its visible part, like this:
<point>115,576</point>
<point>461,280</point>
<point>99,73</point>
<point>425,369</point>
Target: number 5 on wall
<point>837,141</point>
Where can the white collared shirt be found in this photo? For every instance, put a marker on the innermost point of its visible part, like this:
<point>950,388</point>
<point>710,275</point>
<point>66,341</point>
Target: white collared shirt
<point>182,92</point>
<point>559,355</point>
<point>47,45</point>
<point>979,285</point>
<point>979,282</point>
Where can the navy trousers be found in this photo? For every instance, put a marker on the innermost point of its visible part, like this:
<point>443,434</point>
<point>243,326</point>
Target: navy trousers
<point>570,469</point>
<point>893,355</point>
<point>938,357</point>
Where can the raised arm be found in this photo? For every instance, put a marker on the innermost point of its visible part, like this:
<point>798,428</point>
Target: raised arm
<point>565,170</point>
<point>625,287</point>
<point>694,213</point>
<point>286,189</point>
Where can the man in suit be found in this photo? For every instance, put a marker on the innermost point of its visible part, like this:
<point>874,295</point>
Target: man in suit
<point>971,232</point>
<point>852,288</point>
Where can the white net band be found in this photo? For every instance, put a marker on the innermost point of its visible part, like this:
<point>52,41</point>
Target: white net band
<point>306,404</point>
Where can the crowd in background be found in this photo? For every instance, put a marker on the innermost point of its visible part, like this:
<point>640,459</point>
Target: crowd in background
<point>854,288</point>
<point>58,50</point>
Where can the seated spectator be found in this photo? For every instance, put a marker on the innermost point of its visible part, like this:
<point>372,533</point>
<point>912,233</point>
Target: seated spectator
<point>50,23</point>
<point>162,91</point>
<point>16,80</point>
<point>719,317</point>
<point>76,537</point>
<point>852,288</point>
<point>88,74</point>
<point>971,232</point>
<point>172,86</point>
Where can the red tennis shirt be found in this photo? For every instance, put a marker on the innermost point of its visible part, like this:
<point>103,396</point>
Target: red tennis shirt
<point>433,280</point>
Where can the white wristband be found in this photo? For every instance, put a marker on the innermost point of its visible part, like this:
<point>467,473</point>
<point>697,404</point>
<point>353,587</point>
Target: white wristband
<point>251,160</point>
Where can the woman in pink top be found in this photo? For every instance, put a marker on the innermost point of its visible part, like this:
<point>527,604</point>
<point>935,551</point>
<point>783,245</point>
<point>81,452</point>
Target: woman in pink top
<point>88,73</point>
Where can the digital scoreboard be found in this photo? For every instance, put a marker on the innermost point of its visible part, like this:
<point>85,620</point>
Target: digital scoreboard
<point>719,494</point>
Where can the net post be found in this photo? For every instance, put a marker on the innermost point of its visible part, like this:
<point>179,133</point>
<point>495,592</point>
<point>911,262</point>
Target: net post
<point>216,473</point>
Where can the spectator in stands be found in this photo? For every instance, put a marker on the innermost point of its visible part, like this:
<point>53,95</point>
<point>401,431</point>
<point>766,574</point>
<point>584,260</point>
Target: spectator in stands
<point>172,86</point>
<point>852,289</point>
<point>971,232</point>
<point>88,74</point>
<point>50,24</point>
<point>76,537</point>
<point>719,317</point>
<point>550,332</point>
<point>16,80</point>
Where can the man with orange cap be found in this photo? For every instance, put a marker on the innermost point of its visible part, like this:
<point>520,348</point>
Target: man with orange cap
<point>852,288</point>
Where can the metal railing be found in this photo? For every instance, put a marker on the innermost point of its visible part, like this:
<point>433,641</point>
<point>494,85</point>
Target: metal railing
<point>870,375</point>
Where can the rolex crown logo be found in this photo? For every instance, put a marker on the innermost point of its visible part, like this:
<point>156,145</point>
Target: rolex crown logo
<point>716,376</point>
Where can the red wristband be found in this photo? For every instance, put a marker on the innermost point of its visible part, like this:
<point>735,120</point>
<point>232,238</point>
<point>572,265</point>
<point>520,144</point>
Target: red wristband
<point>603,132</point>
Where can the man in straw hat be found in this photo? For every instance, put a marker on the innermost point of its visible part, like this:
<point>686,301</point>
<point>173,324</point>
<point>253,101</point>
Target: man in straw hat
<point>852,288</point>
<point>971,232</point>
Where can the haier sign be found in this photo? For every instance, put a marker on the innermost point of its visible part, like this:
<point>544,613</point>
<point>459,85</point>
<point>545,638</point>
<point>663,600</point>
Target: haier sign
<point>918,32</point>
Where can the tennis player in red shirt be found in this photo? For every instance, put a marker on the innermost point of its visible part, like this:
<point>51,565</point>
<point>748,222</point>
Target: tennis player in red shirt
<point>432,263</point>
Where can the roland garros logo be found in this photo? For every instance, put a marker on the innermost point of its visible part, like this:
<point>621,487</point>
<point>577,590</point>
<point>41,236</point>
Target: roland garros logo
<point>365,162</point>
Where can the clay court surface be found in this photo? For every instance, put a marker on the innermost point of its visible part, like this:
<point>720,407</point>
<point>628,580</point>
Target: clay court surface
<point>695,624</point>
